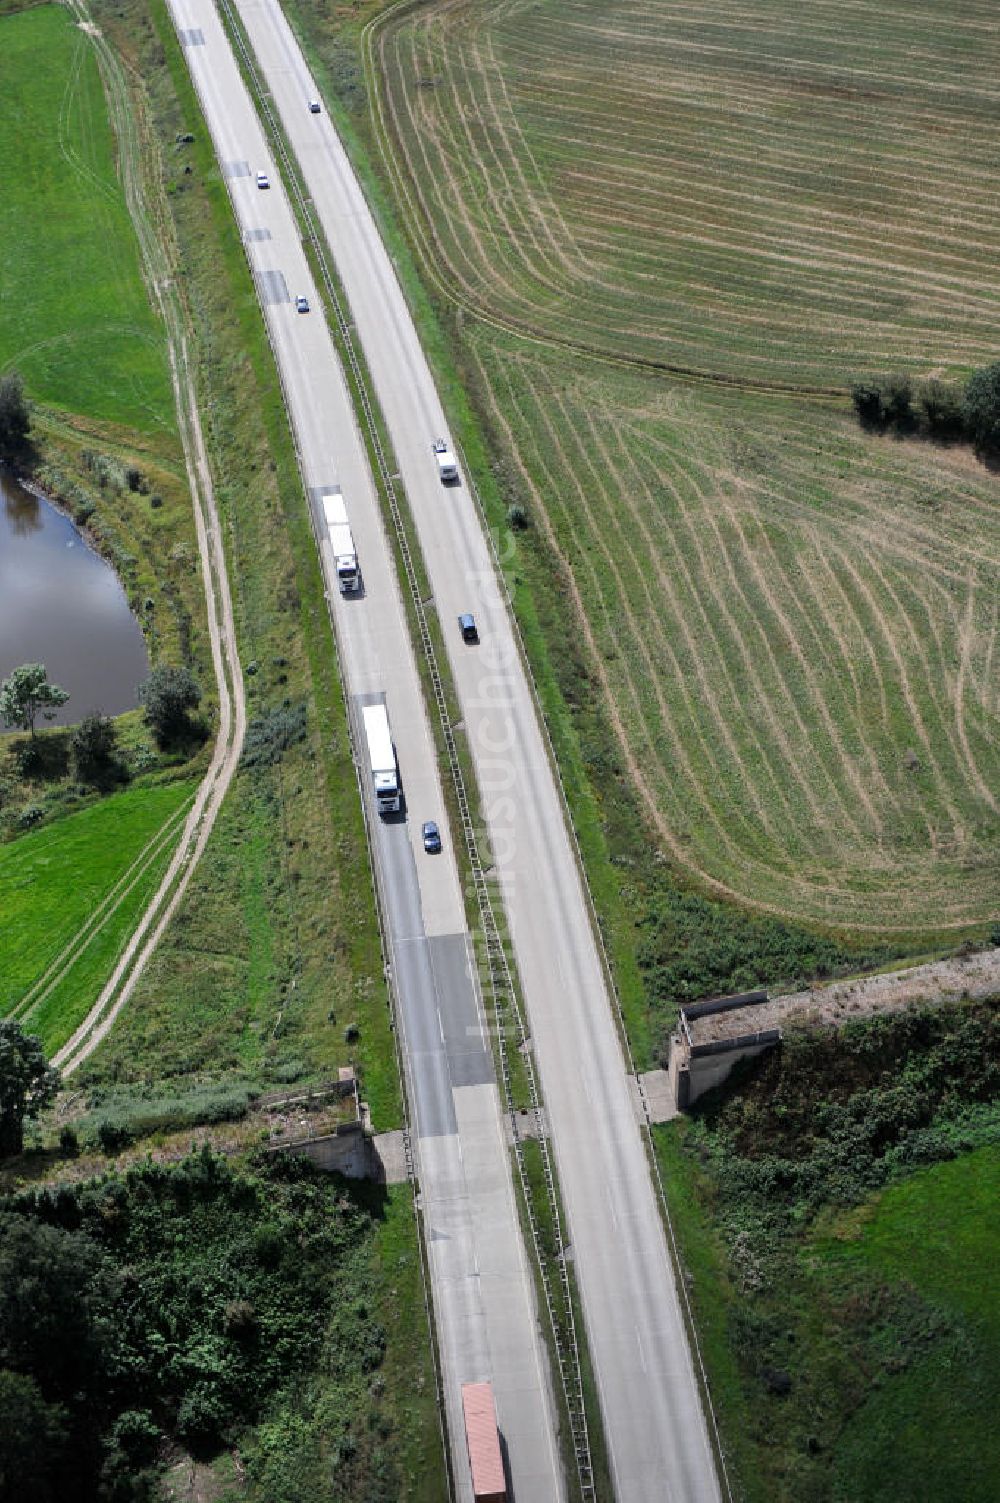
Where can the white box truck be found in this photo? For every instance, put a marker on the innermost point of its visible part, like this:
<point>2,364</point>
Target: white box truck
<point>341,541</point>
<point>381,758</point>
<point>447,467</point>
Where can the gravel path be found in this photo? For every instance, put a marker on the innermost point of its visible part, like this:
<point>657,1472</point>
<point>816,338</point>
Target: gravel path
<point>840,1001</point>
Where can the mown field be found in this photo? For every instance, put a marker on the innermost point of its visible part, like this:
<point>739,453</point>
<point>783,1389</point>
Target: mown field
<point>75,317</point>
<point>727,188</point>
<point>791,625</point>
<point>793,628</point>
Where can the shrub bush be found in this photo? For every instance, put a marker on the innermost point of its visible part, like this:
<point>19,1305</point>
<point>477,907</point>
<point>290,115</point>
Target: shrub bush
<point>270,735</point>
<point>167,696</point>
<point>940,410</point>
<point>179,1304</point>
<point>981,407</point>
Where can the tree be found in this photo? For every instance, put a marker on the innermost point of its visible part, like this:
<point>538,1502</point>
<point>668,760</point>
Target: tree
<point>897,401</point>
<point>27,692</point>
<point>884,402</point>
<point>15,419</point>
<point>95,748</point>
<point>27,1083</point>
<point>867,399</point>
<point>941,411</point>
<point>168,694</point>
<point>62,1320</point>
<point>982,406</point>
<point>32,1440</point>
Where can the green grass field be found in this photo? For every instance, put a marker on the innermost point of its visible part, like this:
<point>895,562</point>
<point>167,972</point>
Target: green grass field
<point>729,189</point>
<point>75,318</point>
<point>930,1433</point>
<point>69,896</point>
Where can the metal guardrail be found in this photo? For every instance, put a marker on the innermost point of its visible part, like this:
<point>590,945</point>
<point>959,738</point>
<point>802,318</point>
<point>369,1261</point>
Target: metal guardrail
<point>501,984</point>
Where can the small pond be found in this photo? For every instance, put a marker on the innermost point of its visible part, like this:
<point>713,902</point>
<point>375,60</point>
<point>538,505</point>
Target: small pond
<point>62,605</point>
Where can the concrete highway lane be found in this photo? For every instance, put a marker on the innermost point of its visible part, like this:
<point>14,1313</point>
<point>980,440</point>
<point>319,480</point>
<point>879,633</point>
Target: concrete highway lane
<point>657,1432</point>
<point>482,1286</point>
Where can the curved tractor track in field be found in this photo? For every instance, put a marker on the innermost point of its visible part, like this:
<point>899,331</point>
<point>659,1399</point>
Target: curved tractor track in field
<point>150,217</point>
<point>698,190</point>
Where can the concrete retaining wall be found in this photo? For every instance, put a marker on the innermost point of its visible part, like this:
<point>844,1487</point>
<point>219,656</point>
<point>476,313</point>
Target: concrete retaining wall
<point>710,1068</point>
<point>696,1068</point>
<point>348,1151</point>
<point>724,1004</point>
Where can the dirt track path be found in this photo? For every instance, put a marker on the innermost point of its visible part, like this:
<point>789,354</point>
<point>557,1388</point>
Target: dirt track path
<point>962,976</point>
<point>151,219</point>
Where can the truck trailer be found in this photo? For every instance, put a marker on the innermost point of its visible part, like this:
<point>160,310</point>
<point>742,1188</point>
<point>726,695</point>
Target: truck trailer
<point>341,541</point>
<point>381,758</point>
<point>489,1485</point>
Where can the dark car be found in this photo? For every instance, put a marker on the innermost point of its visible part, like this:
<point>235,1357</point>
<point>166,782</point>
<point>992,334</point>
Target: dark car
<point>314,106</point>
<point>432,837</point>
<point>467,626</point>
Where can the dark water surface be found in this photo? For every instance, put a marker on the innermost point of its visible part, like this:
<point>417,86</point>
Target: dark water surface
<point>62,605</point>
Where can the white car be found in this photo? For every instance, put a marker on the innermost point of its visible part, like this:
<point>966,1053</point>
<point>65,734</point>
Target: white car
<point>301,304</point>
<point>263,180</point>
<point>314,106</point>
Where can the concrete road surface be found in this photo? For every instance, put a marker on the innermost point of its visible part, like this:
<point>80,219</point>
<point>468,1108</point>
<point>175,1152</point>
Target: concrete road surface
<point>482,1288</point>
<point>656,1428</point>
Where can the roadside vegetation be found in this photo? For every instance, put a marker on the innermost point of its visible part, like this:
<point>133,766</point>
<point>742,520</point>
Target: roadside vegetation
<point>835,1208</point>
<point>230,1321</point>
<point>272,966</point>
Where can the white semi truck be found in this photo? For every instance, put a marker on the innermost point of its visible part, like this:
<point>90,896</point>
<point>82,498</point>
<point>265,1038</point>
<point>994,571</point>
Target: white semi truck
<point>381,758</point>
<point>341,541</point>
<point>447,466</point>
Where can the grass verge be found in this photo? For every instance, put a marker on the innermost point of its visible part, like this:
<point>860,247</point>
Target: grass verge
<point>274,953</point>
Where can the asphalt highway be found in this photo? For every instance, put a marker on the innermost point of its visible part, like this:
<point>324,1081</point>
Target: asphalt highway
<point>655,1425</point>
<point>482,1287</point>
